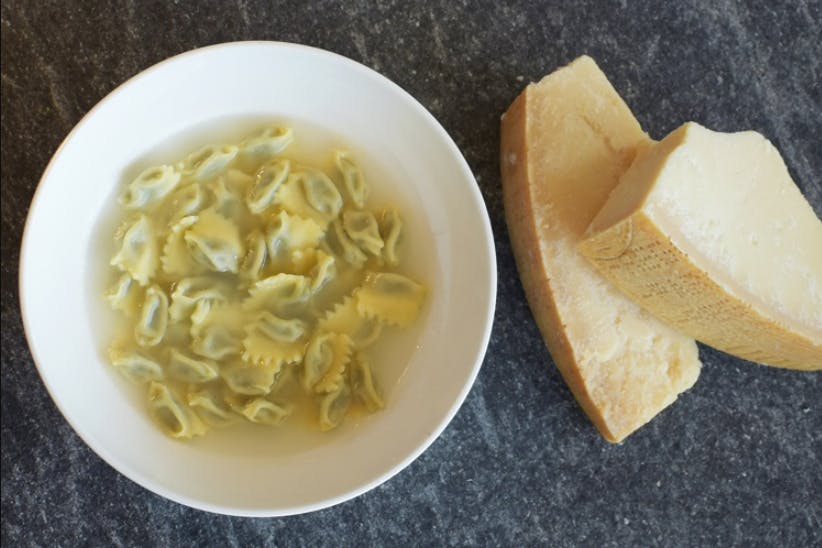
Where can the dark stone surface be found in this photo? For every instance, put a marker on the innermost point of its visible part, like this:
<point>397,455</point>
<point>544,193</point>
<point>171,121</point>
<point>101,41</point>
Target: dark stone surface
<point>736,461</point>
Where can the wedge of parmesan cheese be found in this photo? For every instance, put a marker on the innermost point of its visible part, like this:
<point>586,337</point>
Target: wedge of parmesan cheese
<point>565,142</point>
<point>708,232</point>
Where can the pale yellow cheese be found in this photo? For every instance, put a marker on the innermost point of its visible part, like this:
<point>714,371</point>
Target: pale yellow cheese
<point>708,232</point>
<point>565,142</point>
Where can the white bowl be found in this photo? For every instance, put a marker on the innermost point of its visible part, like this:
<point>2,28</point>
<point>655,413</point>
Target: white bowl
<point>67,239</point>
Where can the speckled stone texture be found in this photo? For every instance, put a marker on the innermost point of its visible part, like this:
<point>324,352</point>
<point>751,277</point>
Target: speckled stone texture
<point>736,461</point>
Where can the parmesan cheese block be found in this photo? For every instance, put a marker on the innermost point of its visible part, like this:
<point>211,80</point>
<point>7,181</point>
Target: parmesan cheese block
<point>565,142</point>
<point>708,232</point>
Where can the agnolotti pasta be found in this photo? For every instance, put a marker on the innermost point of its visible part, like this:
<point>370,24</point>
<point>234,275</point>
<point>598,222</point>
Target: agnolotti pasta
<point>361,227</point>
<point>390,298</point>
<point>353,180</point>
<point>151,186</point>
<point>138,254</point>
<point>253,284</point>
<point>214,242</point>
<point>125,295</point>
<point>153,321</point>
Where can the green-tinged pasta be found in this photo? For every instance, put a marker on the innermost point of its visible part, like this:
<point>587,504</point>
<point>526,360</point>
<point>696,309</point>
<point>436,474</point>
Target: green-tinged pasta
<point>153,321</point>
<point>177,259</point>
<point>215,342</point>
<point>250,380</point>
<point>190,369</point>
<point>211,408</point>
<point>150,187</point>
<point>125,295</point>
<point>226,202</point>
<point>323,271</point>
<point>280,329</point>
<point>325,362</point>
<point>251,285</point>
<point>138,254</point>
<point>263,411</point>
<point>345,318</point>
<point>174,417</point>
<point>269,142</point>
<point>288,232</point>
<point>239,180</point>
<point>273,341</point>
<point>211,313</point>
<point>363,385</point>
<point>321,193</point>
<point>267,181</point>
<point>214,242</point>
<point>391,232</point>
<point>208,161</point>
<point>342,246</point>
<point>256,256</point>
<point>281,293</point>
<point>362,228</point>
<point>353,179</point>
<point>333,407</point>
<point>390,298</point>
<point>189,291</point>
<point>185,201</point>
<point>136,367</point>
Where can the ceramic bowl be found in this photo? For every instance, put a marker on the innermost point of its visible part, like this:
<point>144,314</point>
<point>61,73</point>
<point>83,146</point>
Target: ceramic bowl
<point>181,103</point>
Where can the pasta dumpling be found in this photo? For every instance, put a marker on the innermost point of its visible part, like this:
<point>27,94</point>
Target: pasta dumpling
<point>269,142</point>
<point>266,183</point>
<point>211,408</point>
<point>153,321</point>
<point>174,417</point>
<point>208,161</point>
<point>321,193</point>
<point>125,295</point>
<point>263,411</point>
<point>281,293</point>
<point>226,202</point>
<point>344,247</point>
<point>136,367</point>
<point>345,318</point>
<point>189,291</point>
<point>187,200</point>
<point>390,298</point>
<point>273,341</point>
<point>353,179</point>
<point>215,342</point>
<point>251,380</point>
<point>362,228</point>
<point>333,407</point>
<point>138,251</point>
<point>150,187</point>
<point>363,385</point>
<point>288,232</point>
<point>253,264</point>
<point>214,242</point>
<point>176,258</point>
<point>188,369</point>
<point>391,231</point>
<point>325,362</point>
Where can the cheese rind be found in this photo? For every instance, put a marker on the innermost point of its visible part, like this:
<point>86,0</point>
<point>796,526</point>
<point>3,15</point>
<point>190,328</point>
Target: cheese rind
<point>565,141</point>
<point>709,233</point>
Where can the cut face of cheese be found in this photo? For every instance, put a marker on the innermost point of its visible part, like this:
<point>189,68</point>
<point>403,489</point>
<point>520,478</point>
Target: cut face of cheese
<point>565,142</point>
<point>708,232</point>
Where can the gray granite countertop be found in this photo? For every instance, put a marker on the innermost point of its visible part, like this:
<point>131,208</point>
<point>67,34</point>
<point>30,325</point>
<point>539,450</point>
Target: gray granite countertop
<point>736,461</point>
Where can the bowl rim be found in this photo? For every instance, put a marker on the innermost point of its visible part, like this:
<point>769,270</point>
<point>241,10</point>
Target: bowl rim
<point>146,482</point>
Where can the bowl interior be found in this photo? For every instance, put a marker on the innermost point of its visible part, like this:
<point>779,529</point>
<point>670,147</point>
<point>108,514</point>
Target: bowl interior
<point>218,94</point>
